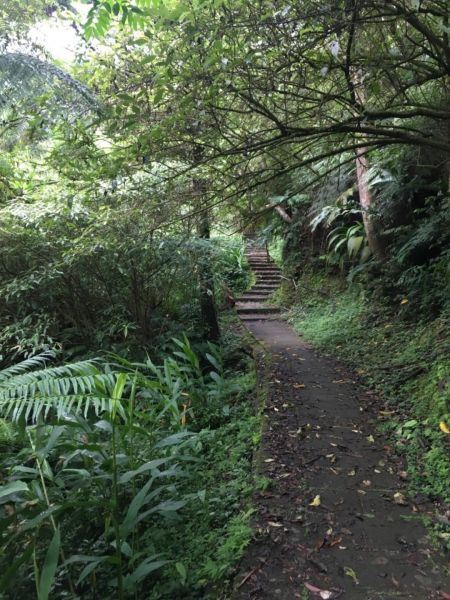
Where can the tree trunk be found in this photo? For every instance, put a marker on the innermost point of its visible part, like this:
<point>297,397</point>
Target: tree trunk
<point>362,169</point>
<point>366,201</point>
<point>207,303</point>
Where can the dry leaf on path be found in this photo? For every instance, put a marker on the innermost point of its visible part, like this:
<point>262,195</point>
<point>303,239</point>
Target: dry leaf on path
<point>400,499</point>
<point>351,573</point>
<point>316,501</point>
<point>325,594</point>
<point>298,385</point>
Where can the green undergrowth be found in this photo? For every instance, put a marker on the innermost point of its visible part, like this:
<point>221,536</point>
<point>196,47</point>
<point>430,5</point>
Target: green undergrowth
<point>140,483</point>
<point>211,535</point>
<point>405,361</point>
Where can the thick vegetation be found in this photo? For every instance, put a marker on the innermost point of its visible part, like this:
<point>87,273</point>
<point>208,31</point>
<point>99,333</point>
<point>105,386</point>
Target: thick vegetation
<point>127,175</point>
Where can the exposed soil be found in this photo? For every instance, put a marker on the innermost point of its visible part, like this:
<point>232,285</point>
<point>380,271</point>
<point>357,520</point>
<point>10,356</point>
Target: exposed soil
<point>335,521</point>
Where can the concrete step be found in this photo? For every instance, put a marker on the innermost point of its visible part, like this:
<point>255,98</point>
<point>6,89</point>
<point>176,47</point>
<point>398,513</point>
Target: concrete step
<point>253,298</point>
<point>257,307</point>
<point>257,317</point>
<point>259,292</point>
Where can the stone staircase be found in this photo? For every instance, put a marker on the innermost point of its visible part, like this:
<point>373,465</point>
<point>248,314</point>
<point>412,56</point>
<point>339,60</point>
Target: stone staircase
<point>253,306</point>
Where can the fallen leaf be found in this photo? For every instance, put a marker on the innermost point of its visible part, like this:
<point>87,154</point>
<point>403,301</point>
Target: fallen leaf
<point>367,482</point>
<point>387,413</point>
<point>324,594</point>
<point>351,473</point>
<point>298,385</point>
<point>400,499</point>
<point>335,542</point>
<point>351,573</point>
<point>319,544</point>
<point>370,439</point>
<point>404,301</point>
<point>269,460</point>
<point>316,501</point>
<point>274,524</point>
<point>444,427</point>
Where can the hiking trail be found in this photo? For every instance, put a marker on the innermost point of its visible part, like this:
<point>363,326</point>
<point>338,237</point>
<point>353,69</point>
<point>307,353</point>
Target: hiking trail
<point>335,520</point>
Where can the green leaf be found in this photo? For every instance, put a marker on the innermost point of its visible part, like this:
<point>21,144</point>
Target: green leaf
<point>13,488</point>
<point>153,464</point>
<point>354,244</point>
<point>182,571</point>
<point>146,567</point>
<point>49,568</point>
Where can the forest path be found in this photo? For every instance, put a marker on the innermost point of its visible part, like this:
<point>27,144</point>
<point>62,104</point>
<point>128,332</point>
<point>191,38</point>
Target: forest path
<point>365,539</point>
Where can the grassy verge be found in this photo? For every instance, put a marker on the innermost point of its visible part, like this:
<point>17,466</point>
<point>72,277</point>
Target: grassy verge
<point>207,543</point>
<point>406,362</point>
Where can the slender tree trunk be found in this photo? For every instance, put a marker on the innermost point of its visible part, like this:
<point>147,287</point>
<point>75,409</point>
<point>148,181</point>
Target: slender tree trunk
<point>207,303</point>
<point>362,170</point>
<point>366,201</point>
<point>206,279</point>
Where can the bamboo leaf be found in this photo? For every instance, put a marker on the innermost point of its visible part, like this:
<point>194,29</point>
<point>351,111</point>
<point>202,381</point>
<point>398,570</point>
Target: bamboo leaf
<point>49,567</point>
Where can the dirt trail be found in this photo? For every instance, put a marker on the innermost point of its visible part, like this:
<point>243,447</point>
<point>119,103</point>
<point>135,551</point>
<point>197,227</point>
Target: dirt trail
<point>332,523</point>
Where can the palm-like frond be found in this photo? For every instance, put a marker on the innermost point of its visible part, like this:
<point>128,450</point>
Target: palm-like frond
<point>23,74</point>
<point>76,388</point>
<point>35,93</point>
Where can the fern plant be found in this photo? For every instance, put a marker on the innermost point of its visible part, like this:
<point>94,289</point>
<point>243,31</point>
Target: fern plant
<point>98,443</point>
<point>30,389</point>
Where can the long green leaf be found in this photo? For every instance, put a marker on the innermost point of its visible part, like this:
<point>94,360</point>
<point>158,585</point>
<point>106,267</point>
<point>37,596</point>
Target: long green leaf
<point>49,567</point>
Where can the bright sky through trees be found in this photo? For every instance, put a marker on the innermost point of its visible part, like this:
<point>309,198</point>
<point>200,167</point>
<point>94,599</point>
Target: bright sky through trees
<point>59,36</point>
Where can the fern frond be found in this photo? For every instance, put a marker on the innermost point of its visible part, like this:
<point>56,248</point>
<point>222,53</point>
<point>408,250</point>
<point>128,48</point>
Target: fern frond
<point>24,74</point>
<point>76,388</point>
<point>39,360</point>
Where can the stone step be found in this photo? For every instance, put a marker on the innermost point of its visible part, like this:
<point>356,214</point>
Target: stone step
<point>253,298</point>
<point>265,267</point>
<point>256,307</point>
<point>261,287</point>
<point>257,317</point>
<point>259,292</point>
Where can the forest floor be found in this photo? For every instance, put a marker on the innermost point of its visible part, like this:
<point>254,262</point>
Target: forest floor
<point>332,518</point>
